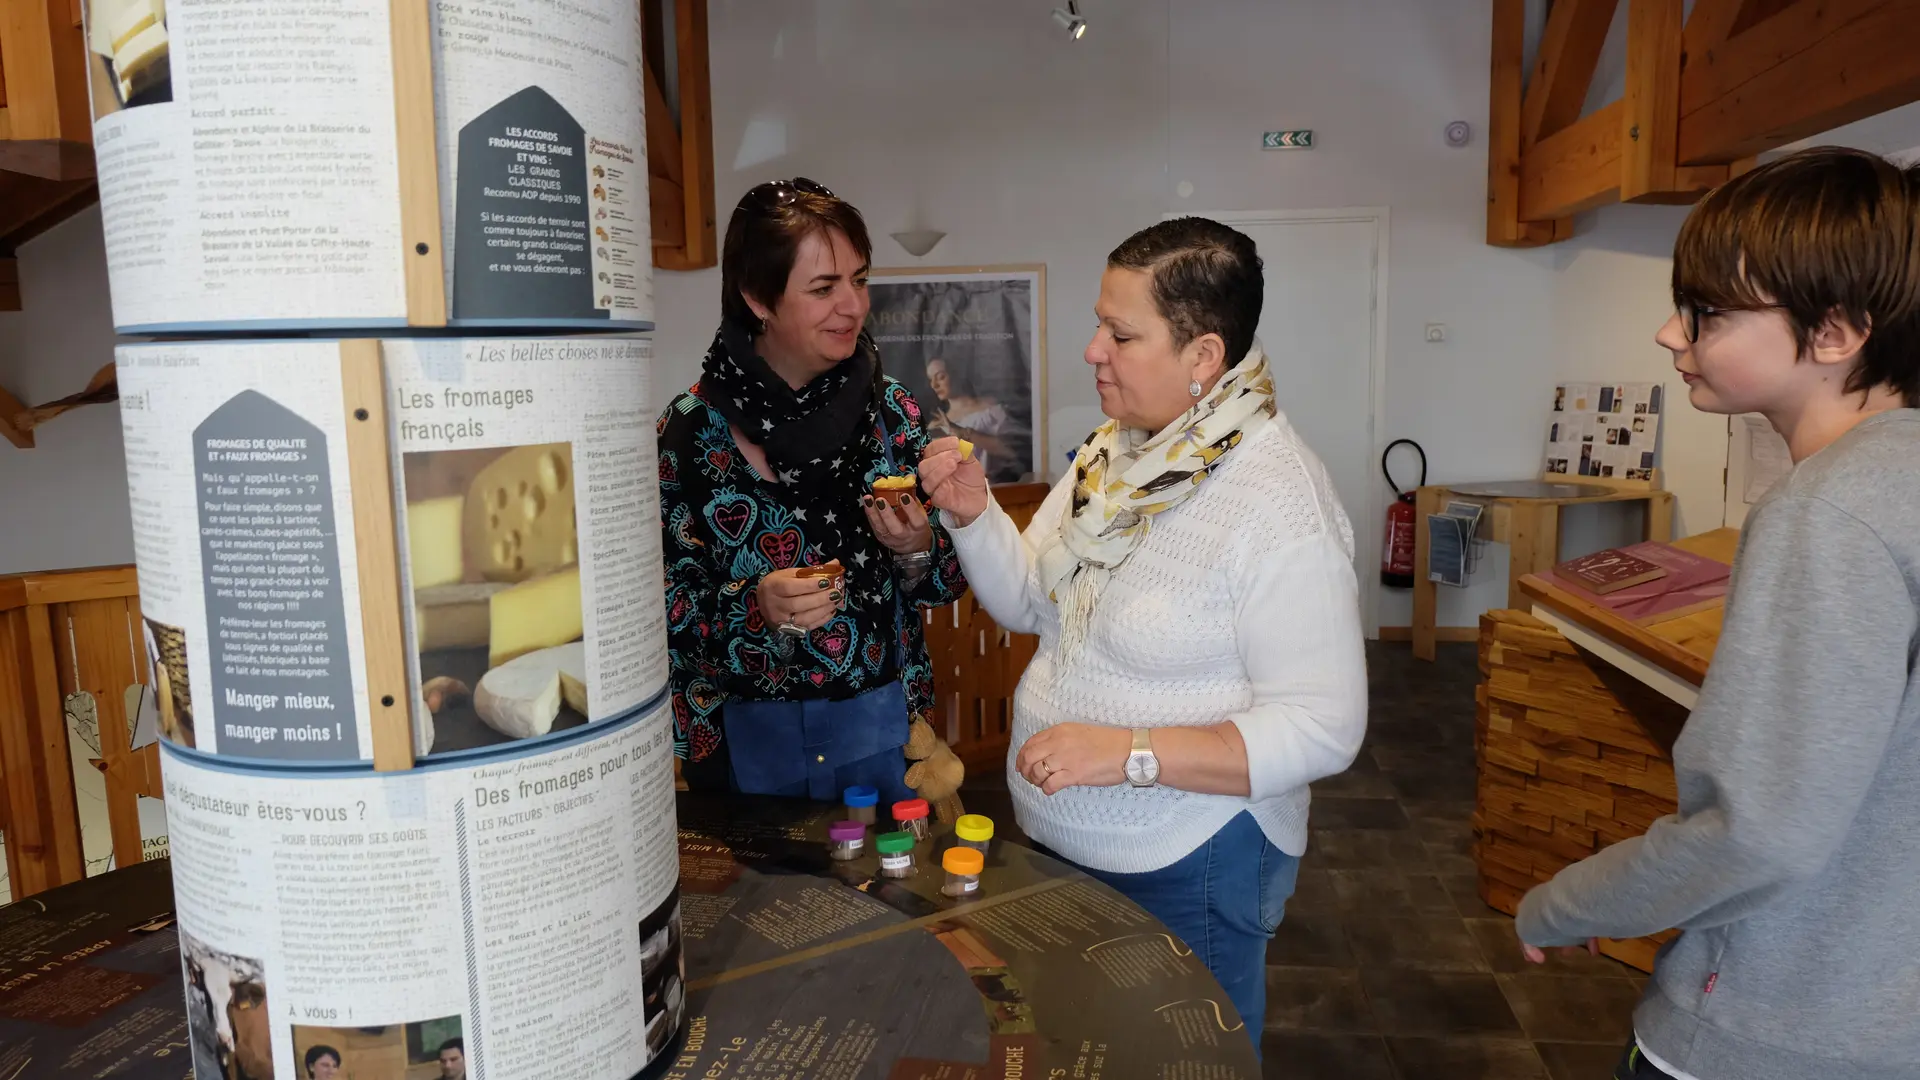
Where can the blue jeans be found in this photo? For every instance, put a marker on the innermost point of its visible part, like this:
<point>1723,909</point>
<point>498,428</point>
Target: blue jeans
<point>1225,899</point>
<point>885,772</point>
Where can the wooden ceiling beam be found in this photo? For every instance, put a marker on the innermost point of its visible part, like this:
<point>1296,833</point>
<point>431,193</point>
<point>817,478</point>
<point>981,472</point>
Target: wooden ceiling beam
<point>1569,54</point>
<point>1504,225</point>
<point>1649,161</point>
<point>1714,21</point>
<point>1805,69</point>
<point>1575,170</point>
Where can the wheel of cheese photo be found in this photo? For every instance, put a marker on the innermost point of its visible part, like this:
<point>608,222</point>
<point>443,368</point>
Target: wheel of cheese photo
<point>335,538</point>
<point>278,164</point>
<point>519,911</point>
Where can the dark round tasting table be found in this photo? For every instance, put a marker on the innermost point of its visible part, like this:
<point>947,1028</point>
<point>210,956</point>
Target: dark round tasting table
<point>798,967</point>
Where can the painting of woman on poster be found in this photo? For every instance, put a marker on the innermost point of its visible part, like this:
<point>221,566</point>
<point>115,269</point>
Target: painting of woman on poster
<point>969,346</point>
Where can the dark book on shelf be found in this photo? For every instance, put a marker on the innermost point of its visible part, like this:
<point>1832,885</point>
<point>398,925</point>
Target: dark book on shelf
<point>1609,571</point>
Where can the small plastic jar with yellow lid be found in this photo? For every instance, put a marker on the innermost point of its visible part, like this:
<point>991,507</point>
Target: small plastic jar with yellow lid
<point>974,831</point>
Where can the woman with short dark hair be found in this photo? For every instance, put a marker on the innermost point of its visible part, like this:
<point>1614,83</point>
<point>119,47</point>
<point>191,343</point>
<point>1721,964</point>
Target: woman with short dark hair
<point>1200,659</point>
<point>793,594</point>
<point>323,1062</point>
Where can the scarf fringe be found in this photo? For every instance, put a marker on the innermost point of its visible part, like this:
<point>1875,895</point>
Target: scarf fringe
<point>1076,611</point>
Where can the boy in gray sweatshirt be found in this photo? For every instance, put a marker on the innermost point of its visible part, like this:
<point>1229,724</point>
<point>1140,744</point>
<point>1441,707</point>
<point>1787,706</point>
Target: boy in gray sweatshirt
<point>1793,864</point>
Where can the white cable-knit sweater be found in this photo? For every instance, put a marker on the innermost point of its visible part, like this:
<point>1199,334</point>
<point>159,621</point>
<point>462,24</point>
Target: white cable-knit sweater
<point>1241,604</point>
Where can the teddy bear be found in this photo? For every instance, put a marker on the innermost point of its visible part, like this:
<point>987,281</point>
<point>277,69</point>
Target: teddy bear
<point>935,771</point>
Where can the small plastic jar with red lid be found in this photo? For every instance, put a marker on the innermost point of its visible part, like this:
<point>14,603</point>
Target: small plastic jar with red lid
<point>910,815</point>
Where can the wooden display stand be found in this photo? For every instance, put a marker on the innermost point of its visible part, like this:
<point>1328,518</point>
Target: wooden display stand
<point>1530,527</point>
<point>1566,767</point>
<point>1578,711</point>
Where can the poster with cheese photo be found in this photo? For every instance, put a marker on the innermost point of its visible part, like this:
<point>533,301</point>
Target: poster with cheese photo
<point>495,552</point>
<point>128,54</point>
<point>530,524</point>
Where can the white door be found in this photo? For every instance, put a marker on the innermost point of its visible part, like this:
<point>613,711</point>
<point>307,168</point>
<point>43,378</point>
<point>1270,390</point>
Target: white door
<point>1321,325</point>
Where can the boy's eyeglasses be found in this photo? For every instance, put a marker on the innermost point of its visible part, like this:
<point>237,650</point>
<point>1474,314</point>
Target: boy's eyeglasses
<point>775,194</point>
<point>1691,312</point>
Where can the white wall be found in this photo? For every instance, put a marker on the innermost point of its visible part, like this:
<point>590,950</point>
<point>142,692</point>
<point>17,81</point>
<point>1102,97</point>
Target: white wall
<point>980,119</point>
<point>63,503</point>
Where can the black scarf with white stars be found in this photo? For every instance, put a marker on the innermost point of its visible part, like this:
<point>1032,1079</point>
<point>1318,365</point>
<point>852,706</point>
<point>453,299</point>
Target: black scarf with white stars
<point>809,434</point>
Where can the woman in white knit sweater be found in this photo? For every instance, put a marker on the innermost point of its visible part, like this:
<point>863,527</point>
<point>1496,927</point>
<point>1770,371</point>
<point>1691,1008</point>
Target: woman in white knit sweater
<point>1192,584</point>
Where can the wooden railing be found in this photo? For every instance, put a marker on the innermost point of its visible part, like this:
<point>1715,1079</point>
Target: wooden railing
<point>62,633</point>
<point>976,664</point>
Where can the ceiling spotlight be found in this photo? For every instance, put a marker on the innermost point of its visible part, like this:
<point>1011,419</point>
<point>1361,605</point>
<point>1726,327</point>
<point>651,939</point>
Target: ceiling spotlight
<point>1070,20</point>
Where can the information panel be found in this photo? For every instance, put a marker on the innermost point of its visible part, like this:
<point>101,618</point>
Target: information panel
<point>520,913</point>
<point>528,540</point>
<point>250,174</point>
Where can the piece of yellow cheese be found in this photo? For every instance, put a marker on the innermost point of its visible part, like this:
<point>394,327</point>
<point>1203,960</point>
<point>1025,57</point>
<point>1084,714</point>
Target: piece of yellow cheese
<point>433,541</point>
<point>142,50</point>
<point>131,20</point>
<point>103,16</point>
<point>966,450</point>
<point>519,514</point>
<point>454,616</point>
<point>535,614</point>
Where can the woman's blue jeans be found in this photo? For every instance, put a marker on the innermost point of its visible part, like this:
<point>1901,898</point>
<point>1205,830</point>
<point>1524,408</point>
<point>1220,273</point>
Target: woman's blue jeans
<point>1225,899</point>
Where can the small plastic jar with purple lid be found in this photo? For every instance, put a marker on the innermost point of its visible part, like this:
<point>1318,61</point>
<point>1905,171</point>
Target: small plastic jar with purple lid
<point>846,840</point>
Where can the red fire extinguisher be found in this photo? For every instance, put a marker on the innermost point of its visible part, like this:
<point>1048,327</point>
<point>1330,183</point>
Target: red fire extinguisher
<point>1396,554</point>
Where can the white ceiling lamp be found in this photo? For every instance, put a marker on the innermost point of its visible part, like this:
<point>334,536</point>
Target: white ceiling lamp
<point>1070,20</point>
<point>918,241</point>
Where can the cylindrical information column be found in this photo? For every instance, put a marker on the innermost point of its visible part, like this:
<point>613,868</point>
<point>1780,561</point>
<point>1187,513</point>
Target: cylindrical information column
<point>516,478</point>
<point>401,596</point>
<point>370,163</point>
<point>519,913</point>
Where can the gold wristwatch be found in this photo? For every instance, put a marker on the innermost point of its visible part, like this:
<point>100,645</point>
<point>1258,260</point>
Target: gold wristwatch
<point>1143,768</point>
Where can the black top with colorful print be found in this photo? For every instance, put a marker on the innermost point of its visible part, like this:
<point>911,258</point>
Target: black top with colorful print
<point>725,527</point>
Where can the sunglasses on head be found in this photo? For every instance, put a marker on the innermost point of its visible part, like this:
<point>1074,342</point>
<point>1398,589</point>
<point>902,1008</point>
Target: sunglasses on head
<point>775,194</point>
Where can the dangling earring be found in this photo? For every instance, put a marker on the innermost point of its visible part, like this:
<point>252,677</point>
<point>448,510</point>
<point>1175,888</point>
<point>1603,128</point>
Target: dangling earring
<point>1193,388</point>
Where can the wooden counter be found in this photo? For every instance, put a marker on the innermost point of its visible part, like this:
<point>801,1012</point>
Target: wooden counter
<point>1578,711</point>
<point>1676,650</point>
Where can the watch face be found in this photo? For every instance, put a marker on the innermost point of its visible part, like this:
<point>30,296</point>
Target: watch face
<point>1142,769</point>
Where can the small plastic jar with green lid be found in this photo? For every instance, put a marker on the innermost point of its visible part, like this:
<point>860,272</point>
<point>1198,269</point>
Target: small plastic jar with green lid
<point>963,866</point>
<point>896,854</point>
<point>974,831</point>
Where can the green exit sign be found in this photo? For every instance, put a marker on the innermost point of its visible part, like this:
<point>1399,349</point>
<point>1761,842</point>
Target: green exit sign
<point>1300,139</point>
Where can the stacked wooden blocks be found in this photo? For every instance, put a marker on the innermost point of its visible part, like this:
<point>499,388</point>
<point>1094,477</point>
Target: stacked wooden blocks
<point>1565,768</point>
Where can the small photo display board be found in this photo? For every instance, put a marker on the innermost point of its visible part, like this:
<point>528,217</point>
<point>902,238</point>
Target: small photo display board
<point>1604,430</point>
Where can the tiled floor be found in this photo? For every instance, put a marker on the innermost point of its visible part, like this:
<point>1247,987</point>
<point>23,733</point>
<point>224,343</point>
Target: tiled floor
<point>1388,965</point>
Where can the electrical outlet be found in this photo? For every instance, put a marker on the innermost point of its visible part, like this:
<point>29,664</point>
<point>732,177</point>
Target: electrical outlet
<point>1436,331</point>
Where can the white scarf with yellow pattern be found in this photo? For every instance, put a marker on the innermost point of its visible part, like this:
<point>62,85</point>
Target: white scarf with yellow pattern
<point>1112,512</point>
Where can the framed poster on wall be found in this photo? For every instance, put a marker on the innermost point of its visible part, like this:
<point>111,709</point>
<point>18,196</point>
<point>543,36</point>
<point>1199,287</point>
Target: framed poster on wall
<point>971,344</point>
